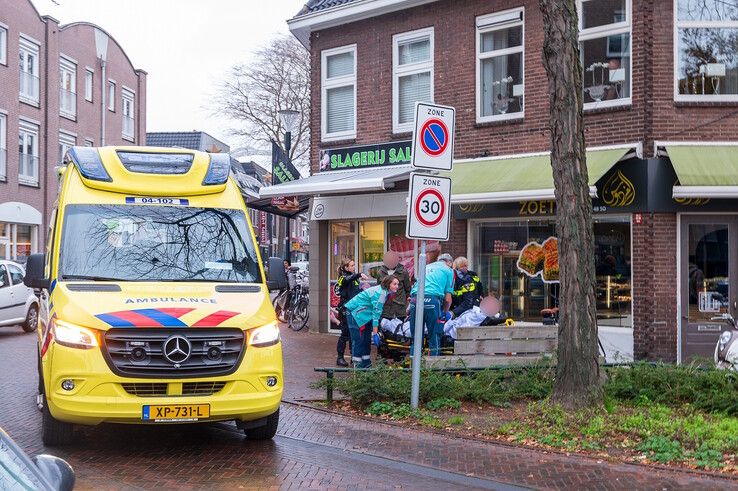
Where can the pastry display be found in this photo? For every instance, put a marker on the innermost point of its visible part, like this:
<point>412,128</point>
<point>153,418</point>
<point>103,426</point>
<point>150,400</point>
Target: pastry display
<point>531,258</point>
<point>551,260</point>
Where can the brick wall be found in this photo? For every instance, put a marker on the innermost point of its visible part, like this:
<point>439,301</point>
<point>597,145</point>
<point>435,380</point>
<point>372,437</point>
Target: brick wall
<point>655,287</point>
<point>76,41</point>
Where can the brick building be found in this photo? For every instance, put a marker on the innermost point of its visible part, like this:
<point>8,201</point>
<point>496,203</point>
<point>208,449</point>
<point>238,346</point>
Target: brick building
<point>661,88</point>
<point>52,91</point>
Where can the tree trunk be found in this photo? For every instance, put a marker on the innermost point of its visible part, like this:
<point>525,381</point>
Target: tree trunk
<point>577,371</point>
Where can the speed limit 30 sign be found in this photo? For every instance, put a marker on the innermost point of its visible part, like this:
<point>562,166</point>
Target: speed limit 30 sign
<point>429,207</point>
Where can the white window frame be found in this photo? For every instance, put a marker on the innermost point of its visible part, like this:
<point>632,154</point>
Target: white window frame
<point>127,95</point>
<point>34,130</point>
<point>335,83</point>
<point>3,44</point>
<point>67,66</point>
<point>89,87</point>
<point>598,32</point>
<point>111,96</point>
<point>89,142</point>
<point>4,144</point>
<point>684,24</point>
<point>32,48</point>
<point>399,71</point>
<point>66,141</point>
<point>506,20</point>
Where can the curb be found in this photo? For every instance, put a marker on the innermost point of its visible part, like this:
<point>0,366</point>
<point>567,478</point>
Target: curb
<point>695,472</point>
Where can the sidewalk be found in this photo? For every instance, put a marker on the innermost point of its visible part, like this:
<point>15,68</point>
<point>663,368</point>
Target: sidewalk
<point>302,352</point>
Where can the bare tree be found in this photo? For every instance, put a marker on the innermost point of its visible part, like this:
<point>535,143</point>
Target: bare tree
<point>577,371</point>
<point>252,95</point>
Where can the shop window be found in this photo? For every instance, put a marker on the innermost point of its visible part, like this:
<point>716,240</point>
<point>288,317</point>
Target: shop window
<point>338,108</point>
<point>498,247</point>
<point>706,38</point>
<point>709,271</point>
<point>412,68</point>
<point>500,69</point>
<point>371,247</point>
<point>17,241</point>
<point>605,46</point>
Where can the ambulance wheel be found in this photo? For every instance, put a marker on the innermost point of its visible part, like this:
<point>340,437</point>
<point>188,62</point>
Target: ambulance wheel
<point>55,432</point>
<point>265,432</point>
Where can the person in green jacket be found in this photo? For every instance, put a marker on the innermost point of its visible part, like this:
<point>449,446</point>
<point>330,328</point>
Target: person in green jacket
<point>365,309</point>
<point>397,307</point>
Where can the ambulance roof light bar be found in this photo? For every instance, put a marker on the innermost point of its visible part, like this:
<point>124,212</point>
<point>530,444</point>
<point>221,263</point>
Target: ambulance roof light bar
<point>89,163</point>
<point>219,170</point>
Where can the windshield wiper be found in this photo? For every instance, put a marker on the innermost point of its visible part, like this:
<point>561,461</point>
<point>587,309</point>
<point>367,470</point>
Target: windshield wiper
<point>88,277</point>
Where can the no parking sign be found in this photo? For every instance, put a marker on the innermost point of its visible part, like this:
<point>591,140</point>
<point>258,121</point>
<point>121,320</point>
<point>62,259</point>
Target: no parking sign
<point>428,212</point>
<point>433,138</point>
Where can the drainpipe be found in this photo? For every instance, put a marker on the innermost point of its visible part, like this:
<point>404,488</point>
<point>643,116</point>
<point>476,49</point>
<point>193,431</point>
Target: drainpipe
<point>104,86</point>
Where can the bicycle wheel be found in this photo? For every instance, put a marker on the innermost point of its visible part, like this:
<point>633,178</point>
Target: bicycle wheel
<point>299,315</point>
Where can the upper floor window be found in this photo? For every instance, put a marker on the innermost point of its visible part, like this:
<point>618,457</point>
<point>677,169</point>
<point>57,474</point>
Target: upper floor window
<point>605,46</point>
<point>66,141</point>
<point>28,153</point>
<point>338,81</point>
<point>500,66</point>
<point>89,142</point>
<point>706,50</point>
<point>28,63</point>
<point>68,88</point>
<point>127,110</point>
<point>412,81</point>
<point>3,44</point>
<point>111,95</point>
<point>3,146</point>
<point>89,78</point>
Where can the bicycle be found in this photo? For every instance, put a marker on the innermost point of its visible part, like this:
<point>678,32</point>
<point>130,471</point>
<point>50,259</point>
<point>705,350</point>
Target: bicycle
<point>299,311</point>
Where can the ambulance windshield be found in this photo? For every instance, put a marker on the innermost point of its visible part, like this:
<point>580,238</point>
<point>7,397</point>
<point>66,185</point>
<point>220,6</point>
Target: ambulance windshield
<point>157,243</point>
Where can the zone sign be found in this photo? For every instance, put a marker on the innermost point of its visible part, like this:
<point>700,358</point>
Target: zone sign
<point>429,208</point>
<point>433,138</point>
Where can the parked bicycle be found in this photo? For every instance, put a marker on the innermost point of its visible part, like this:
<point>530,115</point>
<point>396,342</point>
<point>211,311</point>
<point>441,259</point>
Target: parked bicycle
<point>291,304</point>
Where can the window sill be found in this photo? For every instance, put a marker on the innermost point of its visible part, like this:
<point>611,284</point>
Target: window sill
<point>402,135</point>
<point>329,141</point>
<point>88,100</point>
<point>599,107</point>
<point>500,122</point>
<point>705,103</point>
<point>28,183</point>
<point>70,117</point>
<point>128,138</point>
<point>30,102</point>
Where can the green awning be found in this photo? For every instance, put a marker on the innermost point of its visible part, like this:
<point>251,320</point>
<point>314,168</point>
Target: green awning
<point>519,178</point>
<point>705,171</point>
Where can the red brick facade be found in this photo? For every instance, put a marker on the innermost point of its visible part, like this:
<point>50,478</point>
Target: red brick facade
<point>76,43</point>
<point>653,115</point>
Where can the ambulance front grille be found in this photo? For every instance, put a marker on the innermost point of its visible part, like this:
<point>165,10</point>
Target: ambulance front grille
<point>139,352</point>
<point>145,389</point>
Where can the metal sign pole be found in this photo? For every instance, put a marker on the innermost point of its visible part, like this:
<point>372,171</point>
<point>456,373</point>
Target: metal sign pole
<point>418,335</point>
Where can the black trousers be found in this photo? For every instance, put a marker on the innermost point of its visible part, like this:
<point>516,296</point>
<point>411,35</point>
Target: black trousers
<point>345,337</point>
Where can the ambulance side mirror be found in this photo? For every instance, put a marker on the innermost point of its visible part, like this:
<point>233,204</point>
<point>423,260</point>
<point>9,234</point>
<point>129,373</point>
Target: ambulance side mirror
<point>277,277</point>
<point>35,272</point>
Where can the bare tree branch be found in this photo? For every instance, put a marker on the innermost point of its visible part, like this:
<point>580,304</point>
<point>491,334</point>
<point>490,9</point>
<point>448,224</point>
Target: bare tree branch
<point>252,94</point>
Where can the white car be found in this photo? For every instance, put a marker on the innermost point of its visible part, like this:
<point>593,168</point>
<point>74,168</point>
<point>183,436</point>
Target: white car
<point>18,303</point>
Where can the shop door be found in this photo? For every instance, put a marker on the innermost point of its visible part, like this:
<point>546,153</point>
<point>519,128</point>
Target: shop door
<point>709,272</point>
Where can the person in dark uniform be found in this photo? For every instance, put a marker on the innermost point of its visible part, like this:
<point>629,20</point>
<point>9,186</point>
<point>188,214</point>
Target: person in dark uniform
<point>347,287</point>
<point>468,288</point>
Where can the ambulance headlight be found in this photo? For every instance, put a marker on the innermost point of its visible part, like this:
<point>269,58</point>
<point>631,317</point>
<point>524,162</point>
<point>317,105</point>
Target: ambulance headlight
<point>265,335</point>
<point>89,163</point>
<point>220,168</point>
<point>725,338</point>
<point>73,336</point>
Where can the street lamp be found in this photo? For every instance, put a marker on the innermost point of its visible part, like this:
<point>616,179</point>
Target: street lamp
<point>288,118</point>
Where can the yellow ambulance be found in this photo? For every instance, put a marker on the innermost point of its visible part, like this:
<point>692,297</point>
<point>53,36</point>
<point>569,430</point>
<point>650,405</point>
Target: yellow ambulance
<point>154,307</point>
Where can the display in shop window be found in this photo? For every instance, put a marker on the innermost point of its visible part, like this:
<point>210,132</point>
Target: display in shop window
<point>541,260</point>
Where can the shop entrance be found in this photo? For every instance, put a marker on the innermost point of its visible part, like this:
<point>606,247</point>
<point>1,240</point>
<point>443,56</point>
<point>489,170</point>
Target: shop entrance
<point>709,281</point>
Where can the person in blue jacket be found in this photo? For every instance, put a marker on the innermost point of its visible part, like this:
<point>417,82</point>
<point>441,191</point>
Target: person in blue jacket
<point>363,310</point>
<point>439,288</point>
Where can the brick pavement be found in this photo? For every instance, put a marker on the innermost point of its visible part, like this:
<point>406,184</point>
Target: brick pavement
<point>314,449</point>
